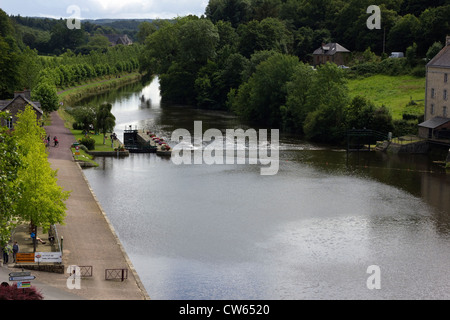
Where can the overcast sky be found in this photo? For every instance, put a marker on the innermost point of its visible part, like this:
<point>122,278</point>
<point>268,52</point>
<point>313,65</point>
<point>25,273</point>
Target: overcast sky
<point>102,9</point>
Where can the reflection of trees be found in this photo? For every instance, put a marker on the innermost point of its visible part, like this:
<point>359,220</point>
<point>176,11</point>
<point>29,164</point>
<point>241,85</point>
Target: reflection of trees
<point>124,92</point>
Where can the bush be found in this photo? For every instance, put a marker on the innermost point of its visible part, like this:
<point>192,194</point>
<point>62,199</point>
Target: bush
<point>419,71</point>
<point>8,292</point>
<point>88,143</point>
<point>404,127</point>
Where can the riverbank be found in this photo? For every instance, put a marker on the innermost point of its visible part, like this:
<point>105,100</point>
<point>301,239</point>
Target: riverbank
<point>74,94</point>
<point>89,238</point>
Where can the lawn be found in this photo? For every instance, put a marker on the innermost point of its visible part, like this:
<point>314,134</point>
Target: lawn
<point>395,92</point>
<point>99,146</point>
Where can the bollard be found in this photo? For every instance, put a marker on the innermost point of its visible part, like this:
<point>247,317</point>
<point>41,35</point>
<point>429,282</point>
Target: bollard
<point>62,240</point>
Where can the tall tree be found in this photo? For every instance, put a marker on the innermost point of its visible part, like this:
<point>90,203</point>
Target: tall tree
<point>9,58</point>
<point>10,163</point>
<point>261,97</point>
<point>106,121</point>
<point>42,200</point>
<point>46,94</point>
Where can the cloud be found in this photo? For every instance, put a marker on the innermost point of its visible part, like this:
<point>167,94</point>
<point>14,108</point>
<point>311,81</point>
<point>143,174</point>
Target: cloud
<point>96,9</point>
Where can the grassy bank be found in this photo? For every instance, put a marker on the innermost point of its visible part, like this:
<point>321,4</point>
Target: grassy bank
<point>70,96</point>
<point>395,92</point>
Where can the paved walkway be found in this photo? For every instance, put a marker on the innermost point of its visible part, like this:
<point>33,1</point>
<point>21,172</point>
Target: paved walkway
<point>89,239</point>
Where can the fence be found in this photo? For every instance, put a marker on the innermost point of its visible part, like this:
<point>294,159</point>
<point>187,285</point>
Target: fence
<point>116,274</point>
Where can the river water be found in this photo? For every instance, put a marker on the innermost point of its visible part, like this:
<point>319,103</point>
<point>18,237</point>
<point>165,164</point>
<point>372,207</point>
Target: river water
<point>309,232</point>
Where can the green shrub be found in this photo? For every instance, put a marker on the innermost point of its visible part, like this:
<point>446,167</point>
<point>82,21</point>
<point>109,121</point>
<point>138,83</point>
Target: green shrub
<point>419,71</point>
<point>88,143</point>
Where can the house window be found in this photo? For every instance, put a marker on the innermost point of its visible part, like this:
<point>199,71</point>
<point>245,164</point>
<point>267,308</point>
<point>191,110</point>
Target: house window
<point>9,123</point>
<point>445,95</point>
<point>444,112</point>
<point>432,93</point>
<point>432,109</point>
<point>445,77</point>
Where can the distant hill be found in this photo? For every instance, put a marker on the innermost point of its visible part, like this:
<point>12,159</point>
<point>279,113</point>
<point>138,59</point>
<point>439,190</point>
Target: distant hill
<point>119,24</point>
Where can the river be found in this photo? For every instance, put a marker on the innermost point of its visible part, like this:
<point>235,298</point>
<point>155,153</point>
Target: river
<point>309,232</point>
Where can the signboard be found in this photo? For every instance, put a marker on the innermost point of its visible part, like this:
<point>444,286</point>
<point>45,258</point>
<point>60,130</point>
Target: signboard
<point>25,258</point>
<point>27,278</point>
<point>77,151</point>
<point>23,285</point>
<point>20,274</point>
<point>50,257</point>
<point>41,257</point>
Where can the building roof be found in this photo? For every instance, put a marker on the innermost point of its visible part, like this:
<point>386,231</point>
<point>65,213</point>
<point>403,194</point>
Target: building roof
<point>116,39</point>
<point>5,104</point>
<point>442,59</point>
<point>434,123</point>
<point>330,49</point>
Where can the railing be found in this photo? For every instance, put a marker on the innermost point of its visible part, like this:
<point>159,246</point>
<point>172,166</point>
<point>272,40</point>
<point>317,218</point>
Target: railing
<point>116,274</point>
<point>86,271</point>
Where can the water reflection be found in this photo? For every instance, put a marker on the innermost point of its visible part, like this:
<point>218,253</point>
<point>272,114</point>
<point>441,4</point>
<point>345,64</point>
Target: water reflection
<point>310,232</point>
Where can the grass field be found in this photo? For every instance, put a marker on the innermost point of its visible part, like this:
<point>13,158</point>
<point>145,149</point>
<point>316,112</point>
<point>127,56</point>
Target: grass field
<point>99,146</point>
<point>395,92</point>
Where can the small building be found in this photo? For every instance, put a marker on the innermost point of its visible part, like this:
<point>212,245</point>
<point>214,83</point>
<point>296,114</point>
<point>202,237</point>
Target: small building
<point>116,39</point>
<point>18,104</point>
<point>437,117</point>
<point>331,52</point>
<point>435,128</point>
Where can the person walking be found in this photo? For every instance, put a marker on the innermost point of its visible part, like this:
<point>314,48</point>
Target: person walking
<point>15,250</point>
<point>5,254</point>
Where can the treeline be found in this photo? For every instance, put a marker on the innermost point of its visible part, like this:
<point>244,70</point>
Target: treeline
<point>52,37</point>
<point>23,67</point>
<point>310,22</point>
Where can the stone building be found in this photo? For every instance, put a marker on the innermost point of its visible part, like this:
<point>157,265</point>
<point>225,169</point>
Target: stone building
<point>16,105</point>
<point>331,52</point>
<point>437,103</point>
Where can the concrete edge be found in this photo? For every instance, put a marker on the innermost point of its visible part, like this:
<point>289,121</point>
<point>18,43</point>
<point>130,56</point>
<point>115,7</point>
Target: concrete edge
<point>111,227</point>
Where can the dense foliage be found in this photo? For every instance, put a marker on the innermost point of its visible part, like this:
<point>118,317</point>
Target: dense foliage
<point>80,55</point>
<point>252,57</point>
<point>29,190</point>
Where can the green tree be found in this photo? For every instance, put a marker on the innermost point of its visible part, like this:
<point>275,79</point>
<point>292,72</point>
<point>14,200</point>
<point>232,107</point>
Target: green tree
<point>46,94</point>
<point>233,11</point>
<point>403,33</point>
<point>10,163</point>
<point>29,68</point>
<point>9,58</point>
<point>434,50</point>
<point>295,111</point>
<point>106,121</point>
<point>42,200</point>
<point>145,29</point>
<point>260,99</point>
<point>85,116</point>
<point>197,40</point>
<point>268,34</point>
<point>326,100</point>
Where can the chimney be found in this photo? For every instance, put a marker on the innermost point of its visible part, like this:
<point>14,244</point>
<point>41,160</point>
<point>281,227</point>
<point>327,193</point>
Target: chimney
<point>26,93</point>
